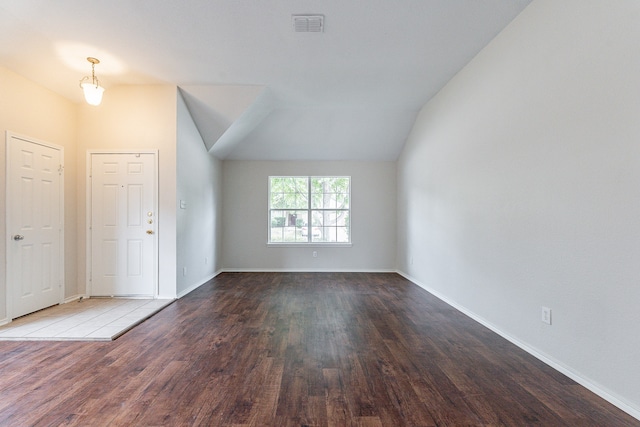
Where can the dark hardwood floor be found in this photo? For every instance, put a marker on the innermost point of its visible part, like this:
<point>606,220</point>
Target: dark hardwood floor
<point>295,349</point>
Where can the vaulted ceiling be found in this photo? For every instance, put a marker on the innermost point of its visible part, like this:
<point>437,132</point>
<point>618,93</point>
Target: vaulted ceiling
<point>255,88</point>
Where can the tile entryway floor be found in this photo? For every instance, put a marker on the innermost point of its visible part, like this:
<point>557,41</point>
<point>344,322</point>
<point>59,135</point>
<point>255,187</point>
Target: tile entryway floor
<point>93,319</point>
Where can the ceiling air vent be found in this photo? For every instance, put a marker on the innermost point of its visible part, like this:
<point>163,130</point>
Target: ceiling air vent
<point>308,23</point>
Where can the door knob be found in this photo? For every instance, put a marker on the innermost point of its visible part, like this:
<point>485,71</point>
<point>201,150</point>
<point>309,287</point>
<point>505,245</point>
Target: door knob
<point>18,237</point>
<point>149,231</point>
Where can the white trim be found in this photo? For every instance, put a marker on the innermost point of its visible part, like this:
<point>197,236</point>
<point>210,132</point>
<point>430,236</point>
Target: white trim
<point>8,169</point>
<point>156,196</point>
<point>74,298</point>
<point>197,285</point>
<point>116,151</point>
<point>309,245</point>
<point>5,321</point>
<point>306,270</point>
<point>607,395</point>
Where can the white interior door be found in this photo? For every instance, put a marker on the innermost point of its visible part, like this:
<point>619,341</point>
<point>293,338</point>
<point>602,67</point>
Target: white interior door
<point>34,225</point>
<point>123,224</point>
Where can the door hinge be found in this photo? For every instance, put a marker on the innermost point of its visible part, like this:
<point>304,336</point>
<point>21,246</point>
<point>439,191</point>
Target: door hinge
<point>60,169</point>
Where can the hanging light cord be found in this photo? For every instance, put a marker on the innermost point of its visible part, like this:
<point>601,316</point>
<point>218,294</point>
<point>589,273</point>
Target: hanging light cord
<point>94,79</point>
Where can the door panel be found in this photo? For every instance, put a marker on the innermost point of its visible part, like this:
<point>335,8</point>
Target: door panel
<point>123,224</point>
<point>34,224</point>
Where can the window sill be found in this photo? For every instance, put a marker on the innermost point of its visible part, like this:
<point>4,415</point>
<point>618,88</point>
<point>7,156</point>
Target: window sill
<point>309,245</point>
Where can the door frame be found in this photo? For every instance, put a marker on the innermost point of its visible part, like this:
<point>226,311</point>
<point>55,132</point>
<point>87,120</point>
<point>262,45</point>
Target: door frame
<point>7,223</point>
<point>89,234</point>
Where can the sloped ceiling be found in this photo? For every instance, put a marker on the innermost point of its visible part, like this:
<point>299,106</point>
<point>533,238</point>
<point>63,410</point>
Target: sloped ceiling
<point>257,89</point>
<point>226,114</point>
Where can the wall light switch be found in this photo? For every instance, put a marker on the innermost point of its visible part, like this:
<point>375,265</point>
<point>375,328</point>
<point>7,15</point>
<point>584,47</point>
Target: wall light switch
<point>546,315</point>
<point>183,204</point>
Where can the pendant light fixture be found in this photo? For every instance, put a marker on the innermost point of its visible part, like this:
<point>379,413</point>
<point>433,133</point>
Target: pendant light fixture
<point>90,85</point>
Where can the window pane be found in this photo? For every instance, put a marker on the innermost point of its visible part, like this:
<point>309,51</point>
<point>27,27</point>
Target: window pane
<point>276,234</point>
<point>329,234</point>
<point>277,201</point>
<point>289,201</point>
<point>316,218</point>
<point>329,193</point>
<point>342,200</point>
<point>342,185</point>
<point>288,193</point>
<point>316,193</point>
<point>317,184</point>
<point>300,232</point>
<point>342,218</point>
<point>302,201</point>
<point>331,218</point>
<point>277,219</point>
<point>288,226</point>
<point>302,185</point>
<point>316,201</point>
<point>276,185</point>
<point>330,201</point>
<point>289,234</point>
<point>342,235</point>
<point>301,218</point>
<point>312,233</point>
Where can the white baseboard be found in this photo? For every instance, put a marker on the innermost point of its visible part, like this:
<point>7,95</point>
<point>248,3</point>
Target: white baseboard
<point>73,298</point>
<point>5,321</point>
<point>304,270</point>
<point>197,285</point>
<point>610,397</point>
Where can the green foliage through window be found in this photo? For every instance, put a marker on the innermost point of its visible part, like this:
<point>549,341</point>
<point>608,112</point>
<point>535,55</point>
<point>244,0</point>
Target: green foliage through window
<point>309,209</point>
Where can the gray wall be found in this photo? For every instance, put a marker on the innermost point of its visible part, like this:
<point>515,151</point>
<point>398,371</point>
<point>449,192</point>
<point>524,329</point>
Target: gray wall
<point>519,188</point>
<point>199,189</point>
<point>373,218</point>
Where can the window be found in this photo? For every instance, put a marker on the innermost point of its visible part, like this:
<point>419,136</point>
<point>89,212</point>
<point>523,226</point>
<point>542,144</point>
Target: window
<point>309,209</point>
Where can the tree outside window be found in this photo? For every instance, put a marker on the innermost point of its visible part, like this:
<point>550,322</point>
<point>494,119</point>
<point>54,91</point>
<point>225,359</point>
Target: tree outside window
<point>312,209</point>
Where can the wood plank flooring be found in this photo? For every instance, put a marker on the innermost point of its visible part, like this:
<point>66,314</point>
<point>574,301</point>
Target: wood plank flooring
<point>295,349</point>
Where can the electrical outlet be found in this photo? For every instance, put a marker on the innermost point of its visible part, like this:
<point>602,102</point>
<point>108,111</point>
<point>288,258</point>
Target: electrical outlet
<point>315,254</point>
<point>184,271</point>
<point>206,260</point>
<point>546,315</point>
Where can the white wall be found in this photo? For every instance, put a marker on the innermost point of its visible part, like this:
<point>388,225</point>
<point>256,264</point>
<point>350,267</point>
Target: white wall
<point>28,109</point>
<point>373,216</point>
<point>519,187</point>
<point>129,118</point>
<point>199,186</point>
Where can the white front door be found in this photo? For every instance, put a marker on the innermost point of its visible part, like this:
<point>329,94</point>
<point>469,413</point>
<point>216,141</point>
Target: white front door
<point>34,225</point>
<point>123,224</point>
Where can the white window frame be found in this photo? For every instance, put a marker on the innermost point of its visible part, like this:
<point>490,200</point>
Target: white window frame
<point>310,211</point>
